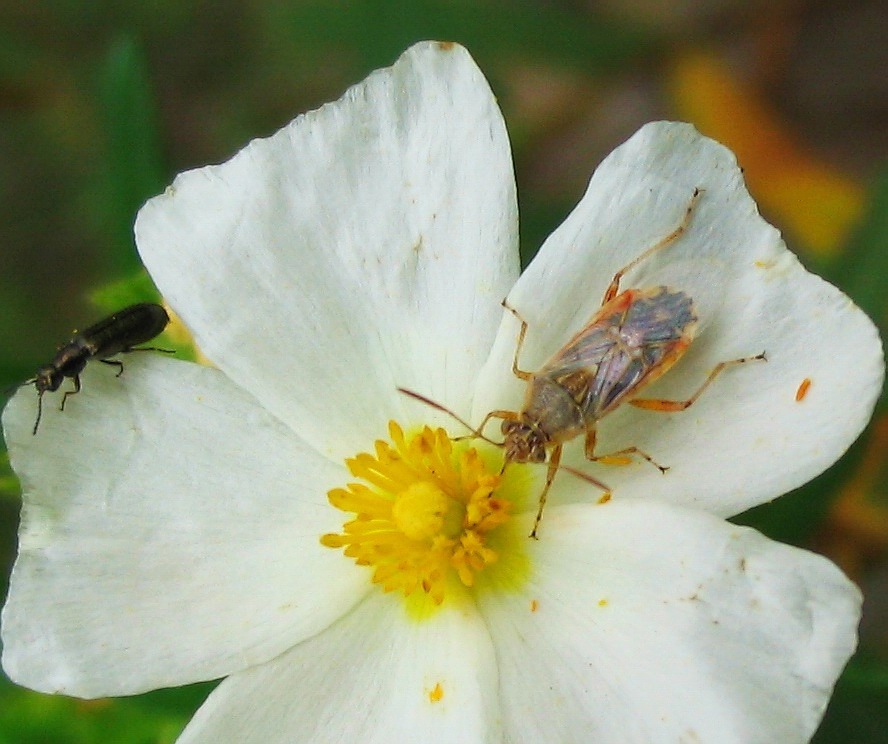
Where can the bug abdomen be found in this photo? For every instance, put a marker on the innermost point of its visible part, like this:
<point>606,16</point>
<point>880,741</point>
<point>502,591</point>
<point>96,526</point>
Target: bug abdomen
<point>129,327</point>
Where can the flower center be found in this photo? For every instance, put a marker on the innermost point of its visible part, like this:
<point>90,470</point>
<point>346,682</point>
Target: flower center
<point>420,512</point>
<point>424,515</point>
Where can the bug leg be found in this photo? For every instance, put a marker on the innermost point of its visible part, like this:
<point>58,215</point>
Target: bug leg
<point>520,373</point>
<point>504,415</point>
<point>554,460</point>
<point>479,432</point>
<point>671,406</point>
<point>149,348</point>
<point>114,363</point>
<point>614,287</point>
<point>591,436</point>
<point>620,457</point>
<point>69,392</point>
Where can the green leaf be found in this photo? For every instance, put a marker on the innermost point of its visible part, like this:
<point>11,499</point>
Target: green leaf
<point>134,161</point>
<point>28,717</point>
<point>128,291</point>
<point>857,712</point>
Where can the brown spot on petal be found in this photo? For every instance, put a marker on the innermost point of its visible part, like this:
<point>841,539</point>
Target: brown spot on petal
<point>803,389</point>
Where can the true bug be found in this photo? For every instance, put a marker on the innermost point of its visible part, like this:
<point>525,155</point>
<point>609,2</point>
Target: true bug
<point>633,339</point>
<point>116,334</point>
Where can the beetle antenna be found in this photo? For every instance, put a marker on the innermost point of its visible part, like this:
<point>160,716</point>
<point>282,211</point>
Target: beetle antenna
<point>438,407</point>
<point>39,412</point>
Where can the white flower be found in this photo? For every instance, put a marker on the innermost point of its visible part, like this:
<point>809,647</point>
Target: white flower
<point>173,517</point>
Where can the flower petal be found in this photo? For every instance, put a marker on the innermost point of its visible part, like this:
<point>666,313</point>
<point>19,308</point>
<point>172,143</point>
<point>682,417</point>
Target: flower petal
<point>375,676</point>
<point>747,439</point>
<point>364,246</point>
<point>169,534</point>
<point>648,622</point>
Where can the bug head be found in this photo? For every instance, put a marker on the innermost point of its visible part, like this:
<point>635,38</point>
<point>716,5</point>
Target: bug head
<point>48,378</point>
<point>523,443</point>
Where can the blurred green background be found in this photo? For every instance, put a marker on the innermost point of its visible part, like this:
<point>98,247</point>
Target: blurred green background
<point>102,103</point>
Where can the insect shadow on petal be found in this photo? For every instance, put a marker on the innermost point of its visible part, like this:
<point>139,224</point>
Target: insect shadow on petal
<point>634,338</point>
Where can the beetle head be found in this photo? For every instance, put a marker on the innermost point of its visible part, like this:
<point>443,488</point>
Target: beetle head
<point>48,378</point>
<point>523,442</point>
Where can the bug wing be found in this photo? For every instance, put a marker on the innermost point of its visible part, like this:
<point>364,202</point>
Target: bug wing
<point>133,325</point>
<point>587,367</point>
<point>630,342</point>
<point>700,278</point>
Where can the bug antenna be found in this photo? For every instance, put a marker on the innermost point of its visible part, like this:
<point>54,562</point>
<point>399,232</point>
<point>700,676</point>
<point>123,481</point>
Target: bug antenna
<point>443,409</point>
<point>576,473</point>
<point>39,412</point>
<point>586,477</point>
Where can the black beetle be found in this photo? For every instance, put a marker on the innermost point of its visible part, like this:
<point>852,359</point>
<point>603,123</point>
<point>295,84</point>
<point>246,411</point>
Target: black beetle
<point>116,334</point>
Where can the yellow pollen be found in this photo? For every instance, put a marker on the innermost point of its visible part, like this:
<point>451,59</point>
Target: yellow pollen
<point>436,693</point>
<point>420,511</point>
<point>423,515</point>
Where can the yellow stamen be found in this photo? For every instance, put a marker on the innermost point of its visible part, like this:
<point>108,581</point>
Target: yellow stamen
<point>423,515</point>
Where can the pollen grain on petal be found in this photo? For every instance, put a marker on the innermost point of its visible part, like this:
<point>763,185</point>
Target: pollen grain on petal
<point>424,510</point>
<point>436,693</point>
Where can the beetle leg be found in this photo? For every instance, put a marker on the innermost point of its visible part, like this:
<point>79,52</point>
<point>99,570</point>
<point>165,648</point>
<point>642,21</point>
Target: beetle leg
<point>69,392</point>
<point>620,457</point>
<point>148,348</point>
<point>554,460</point>
<point>614,286</point>
<point>671,406</point>
<point>520,373</point>
<point>114,363</point>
